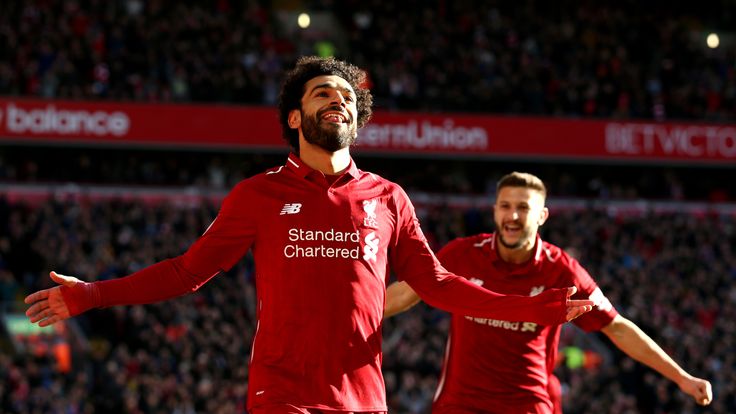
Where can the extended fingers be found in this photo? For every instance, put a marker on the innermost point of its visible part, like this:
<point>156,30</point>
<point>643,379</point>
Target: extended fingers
<point>580,303</point>
<point>37,296</point>
<point>50,320</point>
<point>36,308</point>
<point>575,311</point>
<point>44,314</point>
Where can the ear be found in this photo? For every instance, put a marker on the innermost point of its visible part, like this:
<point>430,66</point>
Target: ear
<point>543,216</point>
<point>295,119</point>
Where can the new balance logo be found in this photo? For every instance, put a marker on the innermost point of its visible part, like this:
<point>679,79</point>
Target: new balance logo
<point>291,208</point>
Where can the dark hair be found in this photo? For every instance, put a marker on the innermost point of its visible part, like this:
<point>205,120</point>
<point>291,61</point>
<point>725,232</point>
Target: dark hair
<point>309,67</point>
<point>524,180</point>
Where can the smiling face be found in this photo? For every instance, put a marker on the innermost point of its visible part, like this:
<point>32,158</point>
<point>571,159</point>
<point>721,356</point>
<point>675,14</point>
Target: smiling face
<point>328,113</point>
<point>518,213</point>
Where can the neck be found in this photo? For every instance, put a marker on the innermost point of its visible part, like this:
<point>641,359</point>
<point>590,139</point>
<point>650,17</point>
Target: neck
<point>518,255</point>
<point>329,163</point>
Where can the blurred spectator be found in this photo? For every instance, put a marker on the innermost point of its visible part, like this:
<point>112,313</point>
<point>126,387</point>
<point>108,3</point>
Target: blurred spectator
<point>571,58</point>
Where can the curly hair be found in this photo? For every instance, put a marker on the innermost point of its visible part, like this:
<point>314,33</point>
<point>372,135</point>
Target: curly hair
<point>309,67</point>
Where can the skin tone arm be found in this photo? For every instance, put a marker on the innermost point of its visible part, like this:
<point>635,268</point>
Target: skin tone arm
<point>400,297</point>
<point>639,346</point>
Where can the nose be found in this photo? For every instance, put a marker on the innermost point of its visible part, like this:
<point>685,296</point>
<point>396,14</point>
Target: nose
<point>338,99</point>
<point>515,215</point>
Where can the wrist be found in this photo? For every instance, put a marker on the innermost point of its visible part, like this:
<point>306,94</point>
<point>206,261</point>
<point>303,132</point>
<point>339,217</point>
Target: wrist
<point>81,297</point>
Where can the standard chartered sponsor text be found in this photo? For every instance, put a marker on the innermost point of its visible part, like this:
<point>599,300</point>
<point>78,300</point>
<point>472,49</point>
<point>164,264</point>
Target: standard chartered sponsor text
<point>511,326</point>
<point>349,250</point>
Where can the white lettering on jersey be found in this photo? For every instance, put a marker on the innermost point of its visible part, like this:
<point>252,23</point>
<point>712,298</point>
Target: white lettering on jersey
<point>600,301</point>
<point>370,250</point>
<point>369,206</point>
<point>476,281</point>
<point>536,290</point>
<point>291,208</point>
<point>528,327</point>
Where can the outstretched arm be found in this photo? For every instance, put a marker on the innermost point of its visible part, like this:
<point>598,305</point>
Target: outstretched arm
<point>639,346</point>
<point>399,298</point>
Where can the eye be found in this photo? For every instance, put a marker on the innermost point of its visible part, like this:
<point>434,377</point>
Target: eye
<point>349,98</point>
<point>323,94</point>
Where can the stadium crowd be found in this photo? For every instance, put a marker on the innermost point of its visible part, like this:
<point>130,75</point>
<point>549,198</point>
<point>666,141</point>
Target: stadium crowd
<point>569,58</point>
<point>190,355</point>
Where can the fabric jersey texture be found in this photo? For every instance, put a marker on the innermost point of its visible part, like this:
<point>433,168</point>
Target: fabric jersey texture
<point>322,250</point>
<point>503,365</point>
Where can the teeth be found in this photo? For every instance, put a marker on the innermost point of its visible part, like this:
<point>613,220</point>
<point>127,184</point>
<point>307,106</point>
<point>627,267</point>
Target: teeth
<point>334,117</point>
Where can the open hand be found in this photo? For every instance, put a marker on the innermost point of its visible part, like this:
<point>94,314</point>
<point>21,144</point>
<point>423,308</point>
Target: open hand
<point>48,306</point>
<point>576,307</point>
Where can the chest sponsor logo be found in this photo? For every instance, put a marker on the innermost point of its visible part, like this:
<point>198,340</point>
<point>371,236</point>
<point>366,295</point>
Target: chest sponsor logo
<point>370,249</point>
<point>508,325</point>
<point>291,208</point>
<point>332,243</point>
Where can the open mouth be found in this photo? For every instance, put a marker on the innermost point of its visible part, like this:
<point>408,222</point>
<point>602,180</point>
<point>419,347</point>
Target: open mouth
<point>335,118</point>
<point>512,229</point>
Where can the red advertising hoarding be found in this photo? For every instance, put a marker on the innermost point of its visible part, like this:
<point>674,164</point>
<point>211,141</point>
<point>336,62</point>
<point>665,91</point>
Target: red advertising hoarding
<point>207,126</point>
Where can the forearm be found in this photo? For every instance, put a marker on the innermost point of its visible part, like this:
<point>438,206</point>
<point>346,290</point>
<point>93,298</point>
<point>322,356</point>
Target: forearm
<point>639,346</point>
<point>456,294</point>
<point>155,283</point>
<point>399,298</point>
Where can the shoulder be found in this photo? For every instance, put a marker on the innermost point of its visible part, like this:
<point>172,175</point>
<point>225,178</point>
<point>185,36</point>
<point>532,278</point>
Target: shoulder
<point>260,180</point>
<point>558,259</point>
<point>373,179</point>
<point>467,244</point>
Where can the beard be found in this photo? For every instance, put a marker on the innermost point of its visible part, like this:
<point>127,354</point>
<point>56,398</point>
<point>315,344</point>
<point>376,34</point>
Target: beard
<point>523,237</point>
<point>325,135</point>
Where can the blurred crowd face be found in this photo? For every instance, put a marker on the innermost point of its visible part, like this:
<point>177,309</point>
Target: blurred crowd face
<point>518,213</point>
<point>328,115</point>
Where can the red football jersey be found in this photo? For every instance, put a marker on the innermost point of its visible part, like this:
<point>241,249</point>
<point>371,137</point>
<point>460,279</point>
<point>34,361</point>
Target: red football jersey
<point>322,249</point>
<point>503,365</point>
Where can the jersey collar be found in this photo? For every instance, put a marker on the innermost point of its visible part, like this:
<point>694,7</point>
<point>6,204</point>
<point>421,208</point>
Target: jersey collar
<point>295,164</point>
